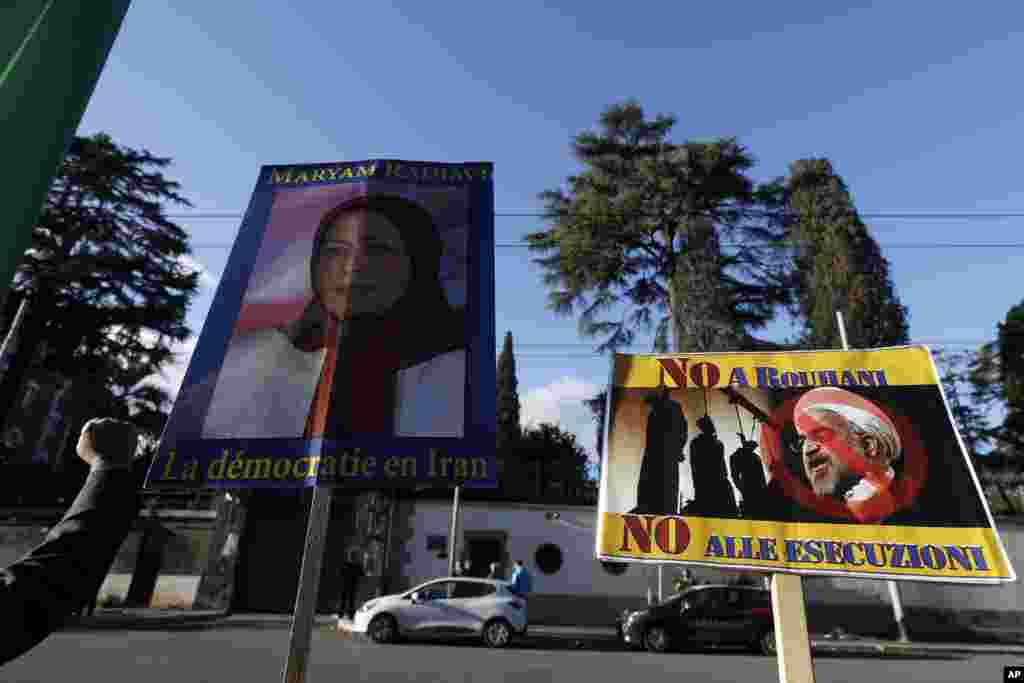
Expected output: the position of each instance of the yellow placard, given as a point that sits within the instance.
(815, 462)
(904, 366)
(929, 553)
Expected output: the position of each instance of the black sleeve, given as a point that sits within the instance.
(60, 575)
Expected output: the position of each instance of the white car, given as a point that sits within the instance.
(456, 606)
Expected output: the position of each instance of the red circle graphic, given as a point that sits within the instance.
(901, 493)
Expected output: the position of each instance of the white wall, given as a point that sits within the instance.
(527, 529)
(1006, 597)
(581, 574)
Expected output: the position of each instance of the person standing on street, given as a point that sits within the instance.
(57, 577)
(493, 572)
(351, 574)
(521, 583)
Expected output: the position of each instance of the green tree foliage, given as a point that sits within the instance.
(509, 429)
(997, 378)
(954, 371)
(598, 406)
(1011, 356)
(838, 265)
(657, 236)
(508, 419)
(107, 279)
(557, 463)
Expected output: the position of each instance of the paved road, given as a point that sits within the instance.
(256, 655)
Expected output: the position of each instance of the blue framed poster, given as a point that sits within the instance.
(351, 339)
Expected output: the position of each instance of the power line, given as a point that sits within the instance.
(884, 245)
(956, 215)
(636, 348)
(605, 357)
(907, 215)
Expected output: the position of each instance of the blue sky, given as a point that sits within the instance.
(917, 105)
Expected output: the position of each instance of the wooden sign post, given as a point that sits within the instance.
(309, 586)
(453, 544)
(792, 644)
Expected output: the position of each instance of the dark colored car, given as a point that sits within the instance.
(703, 615)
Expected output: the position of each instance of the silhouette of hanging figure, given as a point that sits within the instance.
(657, 489)
(713, 495)
(748, 474)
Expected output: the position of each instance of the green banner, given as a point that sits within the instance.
(51, 55)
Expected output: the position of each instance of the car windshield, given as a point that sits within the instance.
(436, 590)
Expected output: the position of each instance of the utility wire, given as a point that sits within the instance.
(645, 349)
(885, 245)
(558, 355)
(961, 215)
(907, 215)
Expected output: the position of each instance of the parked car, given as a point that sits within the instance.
(703, 615)
(446, 607)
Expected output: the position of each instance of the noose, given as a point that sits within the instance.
(705, 401)
(739, 420)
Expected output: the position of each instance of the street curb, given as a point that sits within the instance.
(201, 620)
(128, 622)
(911, 649)
(818, 645)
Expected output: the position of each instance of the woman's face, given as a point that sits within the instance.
(363, 266)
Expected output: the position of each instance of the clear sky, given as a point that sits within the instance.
(918, 105)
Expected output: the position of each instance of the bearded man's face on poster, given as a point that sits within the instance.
(839, 442)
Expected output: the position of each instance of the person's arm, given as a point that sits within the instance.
(59, 576)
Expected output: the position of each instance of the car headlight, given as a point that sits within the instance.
(367, 606)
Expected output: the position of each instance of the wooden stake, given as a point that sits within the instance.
(453, 544)
(309, 586)
(793, 646)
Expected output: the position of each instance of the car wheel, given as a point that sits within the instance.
(383, 629)
(497, 633)
(656, 639)
(767, 645)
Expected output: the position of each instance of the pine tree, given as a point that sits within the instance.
(107, 282)
(954, 370)
(556, 462)
(509, 430)
(508, 418)
(1011, 356)
(675, 237)
(839, 266)
(598, 406)
(998, 381)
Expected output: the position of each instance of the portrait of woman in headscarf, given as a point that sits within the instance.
(377, 350)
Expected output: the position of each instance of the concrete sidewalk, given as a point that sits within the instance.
(820, 642)
(144, 619)
(156, 619)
